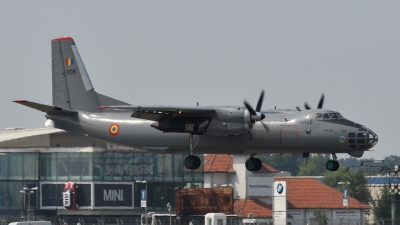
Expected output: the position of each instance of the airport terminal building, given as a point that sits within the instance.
(104, 174)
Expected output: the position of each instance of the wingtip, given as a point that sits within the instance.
(102, 107)
(20, 101)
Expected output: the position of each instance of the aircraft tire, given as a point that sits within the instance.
(332, 165)
(192, 162)
(253, 164)
(198, 162)
(259, 164)
(336, 165)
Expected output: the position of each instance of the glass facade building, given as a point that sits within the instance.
(33, 166)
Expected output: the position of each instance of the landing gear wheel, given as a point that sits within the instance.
(198, 162)
(253, 164)
(192, 162)
(332, 165)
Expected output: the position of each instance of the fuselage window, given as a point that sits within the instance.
(352, 134)
(326, 116)
(318, 116)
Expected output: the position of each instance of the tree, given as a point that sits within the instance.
(314, 165)
(320, 216)
(357, 179)
(283, 162)
(392, 160)
(381, 207)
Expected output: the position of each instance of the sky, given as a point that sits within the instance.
(214, 53)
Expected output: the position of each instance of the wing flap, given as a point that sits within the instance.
(46, 108)
(162, 113)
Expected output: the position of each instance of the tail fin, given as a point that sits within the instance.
(72, 88)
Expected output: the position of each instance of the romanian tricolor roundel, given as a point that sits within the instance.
(114, 129)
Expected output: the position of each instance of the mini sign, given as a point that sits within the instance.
(112, 195)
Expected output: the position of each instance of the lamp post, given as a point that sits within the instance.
(169, 209)
(231, 185)
(27, 192)
(348, 189)
(145, 197)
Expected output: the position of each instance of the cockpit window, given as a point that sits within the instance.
(318, 116)
(329, 115)
(334, 115)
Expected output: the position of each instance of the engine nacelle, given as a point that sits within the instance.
(238, 120)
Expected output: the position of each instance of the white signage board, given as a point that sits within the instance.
(279, 202)
(342, 213)
(259, 186)
(279, 218)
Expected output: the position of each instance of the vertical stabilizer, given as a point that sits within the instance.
(72, 88)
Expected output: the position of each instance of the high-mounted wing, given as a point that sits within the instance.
(161, 113)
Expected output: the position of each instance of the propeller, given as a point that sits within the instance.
(320, 103)
(256, 115)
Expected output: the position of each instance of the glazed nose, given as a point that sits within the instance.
(363, 139)
(372, 139)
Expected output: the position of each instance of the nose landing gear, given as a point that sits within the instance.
(332, 165)
(192, 162)
(253, 164)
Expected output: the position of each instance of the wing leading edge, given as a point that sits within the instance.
(162, 113)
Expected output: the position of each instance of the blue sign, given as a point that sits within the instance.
(345, 192)
(143, 195)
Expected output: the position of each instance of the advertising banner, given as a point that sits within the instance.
(259, 186)
(113, 195)
(143, 198)
(345, 201)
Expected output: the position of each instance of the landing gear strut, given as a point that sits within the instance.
(192, 162)
(332, 165)
(253, 164)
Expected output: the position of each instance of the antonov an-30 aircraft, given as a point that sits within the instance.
(77, 107)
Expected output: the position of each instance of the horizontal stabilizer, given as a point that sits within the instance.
(46, 108)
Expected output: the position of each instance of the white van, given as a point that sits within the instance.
(31, 223)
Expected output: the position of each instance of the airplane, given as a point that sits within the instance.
(78, 108)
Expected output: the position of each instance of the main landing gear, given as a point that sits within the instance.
(332, 165)
(252, 163)
(192, 162)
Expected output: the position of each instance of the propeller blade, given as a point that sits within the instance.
(265, 127)
(251, 110)
(307, 106)
(321, 102)
(260, 101)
